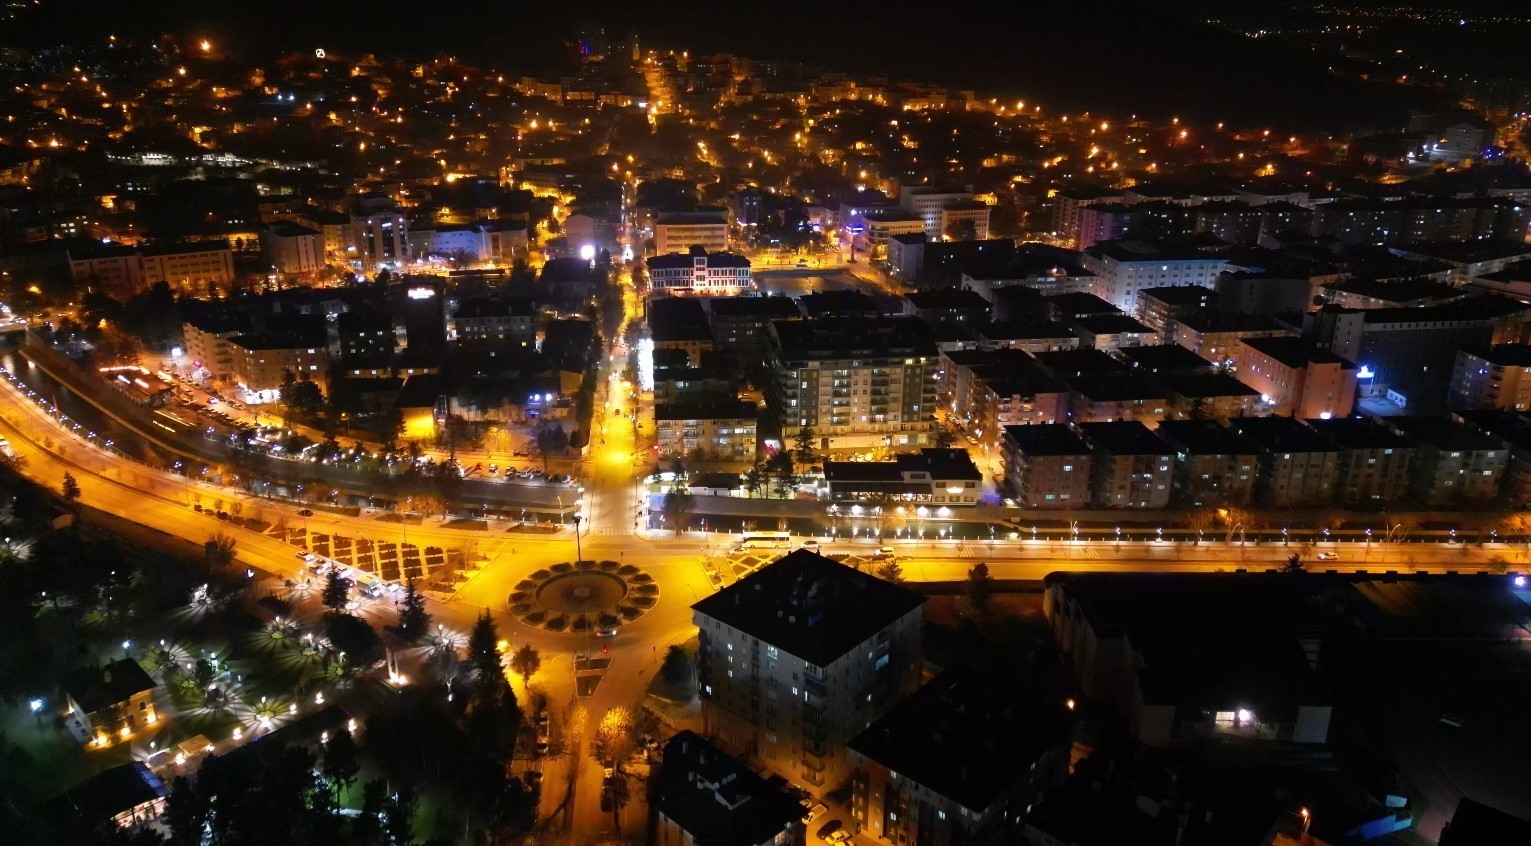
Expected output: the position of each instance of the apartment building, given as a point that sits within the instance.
(936, 206)
(936, 478)
(1497, 376)
(189, 267)
(292, 247)
(710, 431)
(1296, 379)
(1047, 466)
(705, 797)
(1452, 465)
(1214, 465)
(261, 361)
(206, 332)
(859, 383)
(1132, 467)
(497, 322)
(740, 324)
(1298, 466)
(1375, 463)
(678, 232)
(1123, 268)
(961, 762)
(797, 658)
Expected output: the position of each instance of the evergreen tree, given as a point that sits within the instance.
(414, 620)
(337, 591)
(70, 488)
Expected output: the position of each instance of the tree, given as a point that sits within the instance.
(677, 665)
(414, 620)
(338, 762)
(218, 550)
(185, 813)
(1294, 563)
(754, 480)
(301, 395)
(944, 438)
(70, 488)
(550, 439)
(337, 591)
(619, 794)
(677, 506)
(784, 475)
(353, 637)
(484, 655)
(980, 586)
(802, 447)
(891, 571)
(615, 740)
(525, 663)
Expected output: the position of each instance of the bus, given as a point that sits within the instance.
(766, 540)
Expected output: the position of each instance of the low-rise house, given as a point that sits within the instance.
(932, 477)
(706, 797)
(111, 702)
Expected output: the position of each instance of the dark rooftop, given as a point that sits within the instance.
(1047, 439)
(1206, 385)
(947, 298)
(1112, 324)
(111, 792)
(967, 737)
(1358, 433)
(1282, 434)
(730, 410)
(717, 800)
(1477, 824)
(1067, 306)
(769, 307)
(809, 606)
(1018, 331)
(95, 688)
(675, 319)
(837, 302)
(1178, 295)
(1504, 355)
(1165, 358)
(1071, 363)
(941, 464)
(1294, 352)
(476, 308)
(844, 337)
(1440, 433)
(1205, 437)
(1113, 387)
(1124, 437)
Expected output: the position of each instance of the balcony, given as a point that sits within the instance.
(815, 686)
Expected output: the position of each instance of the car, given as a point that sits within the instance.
(811, 545)
(1328, 556)
(305, 512)
(829, 828)
(884, 552)
(532, 778)
(837, 837)
(606, 633)
(212, 400)
(814, 813)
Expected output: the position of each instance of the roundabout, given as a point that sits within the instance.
(583, 597)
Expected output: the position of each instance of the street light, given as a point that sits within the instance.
(1307, 818)
(578, 554)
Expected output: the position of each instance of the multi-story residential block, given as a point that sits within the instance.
(1296, 379)
(1496, 376)
(1069, 203)
(709, 431)
(1162, 308)
(497, 322)
(1374, 463)
(1299, 468)
(1123, 268)
(936, 207)
(1216, 337)
(677, 380)
(1214, 396)
(1109, 397)
(906, 256)
(1113, 332)
(1411, 352)
(800, 656)
(1214, 465)
(366, 337)
(680, 323)
(706, 797)
(111, 703)
(206, 331)
(984, 391)
(1028, 336)
(1132, 467)
(1138, 646)
(377, 238)
(961, 762)
(699, 272)
(678, 232)
(1402, 293)
(1418, 220)
(871, 230)
(948, 307)
(1100, 222)
(1047, 466)
(1452, 464)
(261, 361)
(858, 383)
(1164, 358)
(1512, 431)
(292, 247)
(189, 267)
(932, 477)
(740, 324)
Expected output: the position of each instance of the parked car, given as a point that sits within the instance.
(829, 828)
(814, 813)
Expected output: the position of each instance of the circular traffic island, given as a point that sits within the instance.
(583, 596)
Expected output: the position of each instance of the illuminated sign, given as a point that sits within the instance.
(1365, 372)
(421, 293)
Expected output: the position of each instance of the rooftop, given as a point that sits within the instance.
(846, 337)
(1067, 306)
(717, 800)
(940, 464)
(95, 688)
(1358, 433)
(1178, 295)
(1294, 352)
(810, 607)
(947, 298)
(1205, 437)
(1115, 387)
(1441, 433)
(777, 307)
(730, 410)
(967, 737)
(1047, 439)
(479, 308)
(1112, 324)
(1206, 385)
(103, 796)
(1071, 363)
(1123, 437)
(1477, 824)
(1164, 358)
(1282, 434)
(1132, 250)
(1020, 331)
(1504, 355)
(677, 319)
